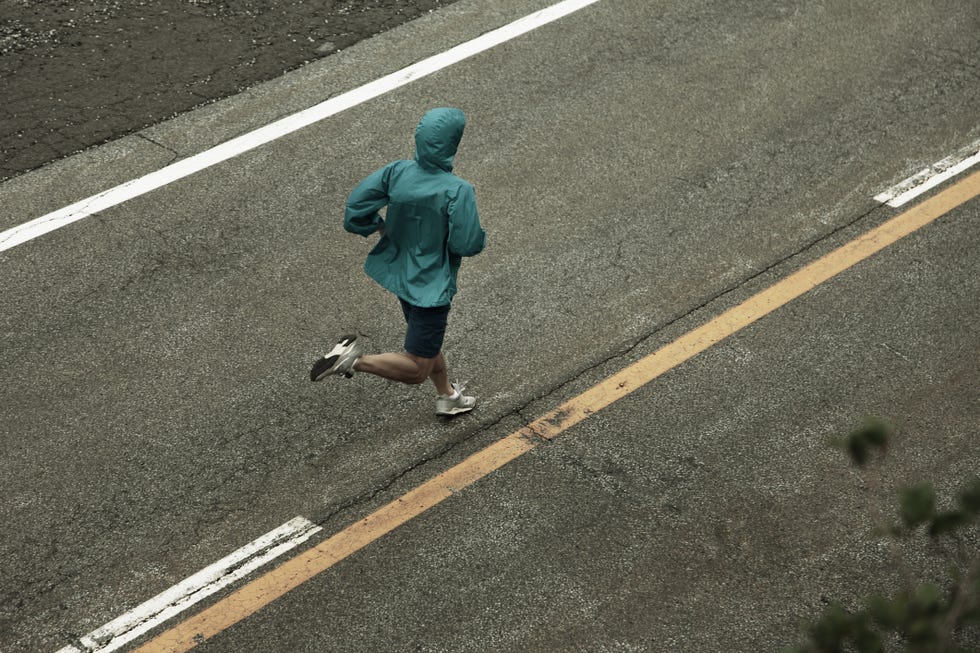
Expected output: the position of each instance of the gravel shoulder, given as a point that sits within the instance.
(78, 74)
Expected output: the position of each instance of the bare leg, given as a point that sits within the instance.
(407, 368)
(394, 367)
(440, 376)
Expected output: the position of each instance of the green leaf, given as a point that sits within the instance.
(918, 504)
(830, 631)
(858, 448)
(922, 633)
(885, 612)
(868, 641)
(874, 433)
(877, 432)
(947, 522)
(927, 600)
(970, 497)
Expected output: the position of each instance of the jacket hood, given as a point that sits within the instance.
(437, 138)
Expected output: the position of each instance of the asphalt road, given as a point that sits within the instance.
(639, 167)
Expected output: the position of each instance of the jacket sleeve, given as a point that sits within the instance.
(466, 236)
(361, 212)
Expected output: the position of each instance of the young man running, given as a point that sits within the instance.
(431, 223)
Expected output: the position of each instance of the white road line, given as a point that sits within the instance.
(160, 608)
(101, 201)
(930, 177)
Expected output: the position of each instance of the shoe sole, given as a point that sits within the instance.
(323, 367)
(454, 411)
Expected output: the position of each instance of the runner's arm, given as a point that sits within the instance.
(370, 196)
(466, 236)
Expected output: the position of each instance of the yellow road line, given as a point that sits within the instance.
(267, 588)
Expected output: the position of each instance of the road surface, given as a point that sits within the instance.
(640, 168)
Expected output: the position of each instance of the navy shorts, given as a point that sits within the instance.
(426, 328)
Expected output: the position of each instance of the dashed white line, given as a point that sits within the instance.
(163, 606)
(127, 191)
(930, 177)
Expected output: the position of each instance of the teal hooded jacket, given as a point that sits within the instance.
(431, 222)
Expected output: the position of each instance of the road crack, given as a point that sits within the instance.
(174, 154)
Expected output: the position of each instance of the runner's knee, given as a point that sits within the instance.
(424, 367)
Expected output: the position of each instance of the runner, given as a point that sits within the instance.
(431, 223)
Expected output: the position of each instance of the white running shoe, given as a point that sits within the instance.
(340, 360)
(461, 404)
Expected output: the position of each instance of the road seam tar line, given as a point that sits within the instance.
(261, 591)
(251, 140)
